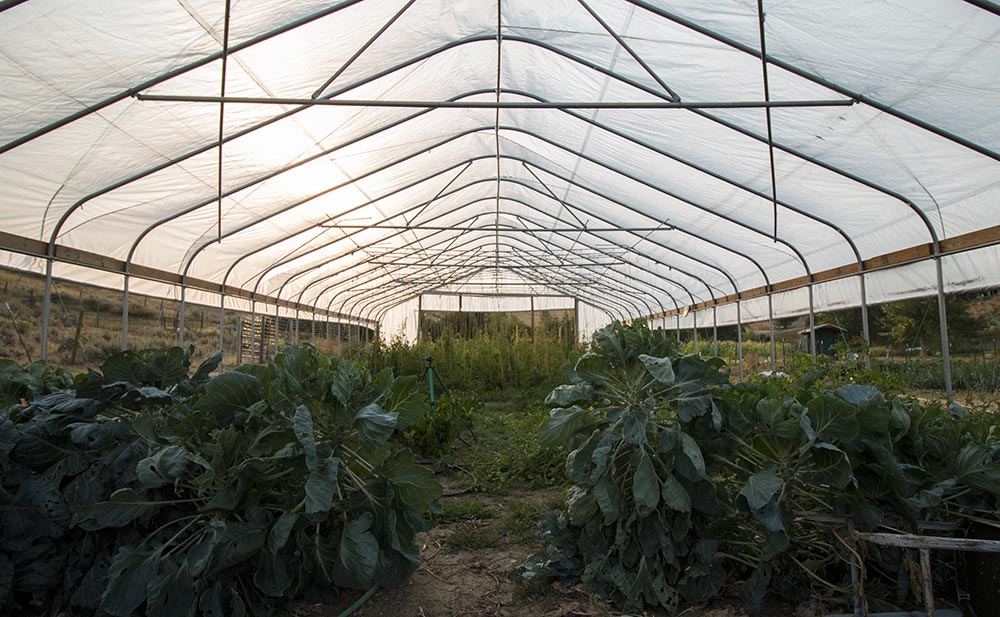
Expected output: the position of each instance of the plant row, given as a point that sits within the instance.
(141, 489)
(685, 486)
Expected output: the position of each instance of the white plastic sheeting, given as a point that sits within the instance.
(361, 208)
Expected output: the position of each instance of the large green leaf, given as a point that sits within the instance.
(659, 368)
(832, 418)
(760, 488)
(272, 577)
(697, 373)
(830, 465)
(609, 498)
(350, 386)
(97, 435)
(166, 466)
(691, 406)
(581, 505)
(226, 394)
(321, 486)
(39, 569)
(35, 511)
(374, 425)
(205, 369)
(414, 487)
(122, 508)
(674, 495)
(126, 366)
(406, 401)
(168, 368)
(857, 394)
(238, 543)
(645, 486)
(131, 572)
(975, 468)
(172, 592)
(695, 470)
(634, 423)
(562, 426)
(359, 548)
(278, 536)
(590, 368)
(302, 424)
(566, 395)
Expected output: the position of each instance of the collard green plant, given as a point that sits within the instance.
(676, 472)
(244, 490)
(640, 485)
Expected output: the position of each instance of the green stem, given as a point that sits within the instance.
(169, 523)
(817, 578)
(358, 459)
(747, 561)
(179, 532)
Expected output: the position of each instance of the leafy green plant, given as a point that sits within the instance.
(439, 429)
(65, 451)
(255, 486)
(681, 480)
(639, 479)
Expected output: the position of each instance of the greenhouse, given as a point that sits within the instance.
(320, 190)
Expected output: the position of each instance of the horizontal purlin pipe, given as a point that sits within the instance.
(491, 228)
(257, 100)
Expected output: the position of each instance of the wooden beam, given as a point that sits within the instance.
(28, 246)
(87, 259)
(969, 241)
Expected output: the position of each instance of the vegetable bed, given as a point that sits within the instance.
(141, 489)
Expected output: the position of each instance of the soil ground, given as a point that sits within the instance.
(467, 558)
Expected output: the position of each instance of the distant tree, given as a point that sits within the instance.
(850, 320)
(916, 322)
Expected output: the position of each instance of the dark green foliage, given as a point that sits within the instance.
(682, 480)
(438, 431)
(640, 484)
(219, 496)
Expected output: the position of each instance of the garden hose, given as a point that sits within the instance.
(359, 602)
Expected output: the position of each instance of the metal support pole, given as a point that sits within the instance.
(678, 328)
(715, 331)
(739, 336)
(576, 318)
(694, 328)
(296, 325)
(253, 330)
(340, 338)
(812, 325)
(865, 334)
(182, 312)
(125, 311)
(277, 323)
(945, 346)
(532, 319)
(46, 308)
(312, 338)
(222, 322)
(420, 317)
(770, 325)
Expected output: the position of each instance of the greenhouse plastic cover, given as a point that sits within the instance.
(614, 153)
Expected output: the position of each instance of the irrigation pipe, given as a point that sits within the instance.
(359, 602)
